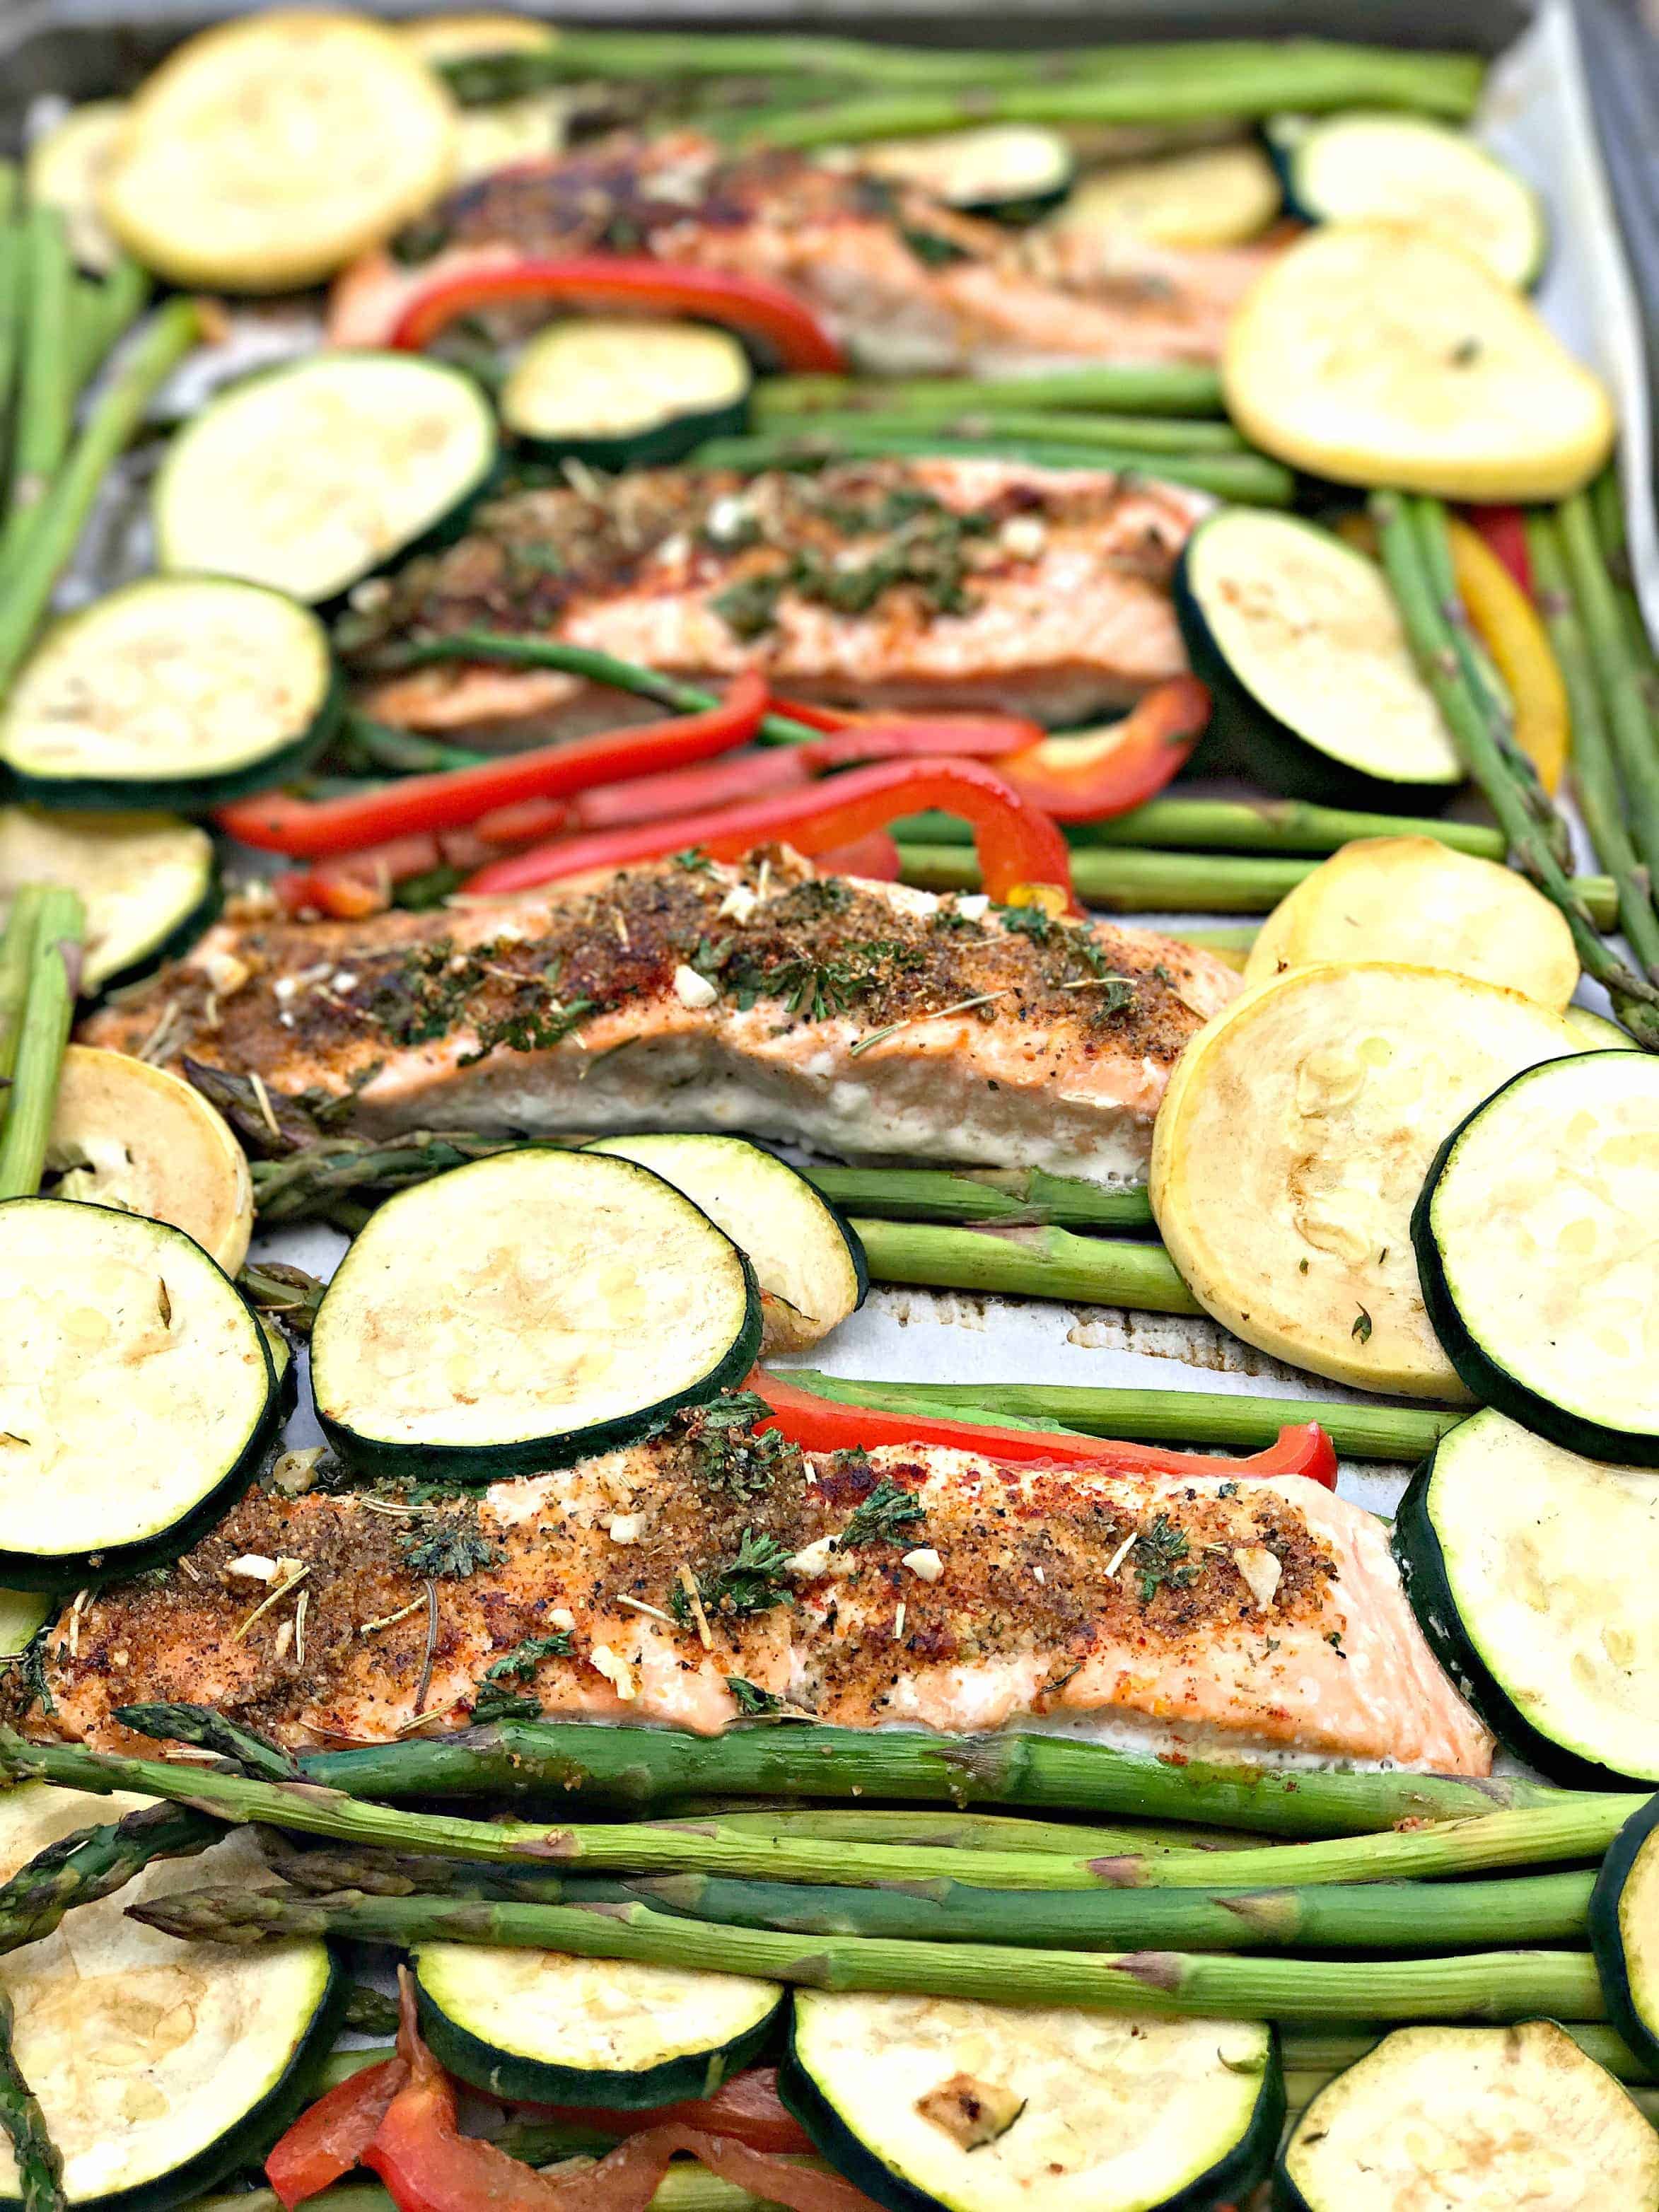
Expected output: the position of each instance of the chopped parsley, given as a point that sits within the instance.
(1159, 1553)
(1032, 922)
(754, 1581)
(449, 1552)
(694, 859)
(813, 988)
(730, 1454)
(491, 1705)
(884, 1517)
(518, 1664)
(1362, 1329)
(922, 547)
(536, 1029)
(750, 1698)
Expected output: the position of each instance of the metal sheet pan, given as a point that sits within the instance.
(1537, 114)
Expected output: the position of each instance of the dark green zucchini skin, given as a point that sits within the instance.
(188, 795)
(1229, 2180)
(1492, 1384)
(1607, 1945)
(1243, 738)
(510, 2074)
(186, 931)
(1422, 1564)
(655, 448)
(251, 2135)
(485, 1463)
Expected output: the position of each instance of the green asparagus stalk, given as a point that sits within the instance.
(1250, 479)
(40, 2165)
(361, 746)
(11, 327)
(1619, 677)
(962, 1831)
(1009, 423)
(42, 1032)
(45, 396)
(1636, 1000)
(103, 308)
(1595, 770)
(1163, 388)
(94, 1862)
(208, 1730)
(1012, 1197)
(286, 1294)
(45, 547)
(1488, 1985)
(1390, 1433)
(1607, 505)
(309, 1183)
(1037, 1263)
(1228, 825)
(16, 950)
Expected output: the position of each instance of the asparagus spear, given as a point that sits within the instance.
(40, 2165)
(94, 1862)
(1403, 534)
(1163, 388)
(1392, 1433)
(1010, 1196)
(44, 549)
(1038, 1263)
(45, 396)
(16, 947)
(1229, 825)
(42, 1031)
(1010, 421)
(1595, 771)
(11, 323)
(1619, 677)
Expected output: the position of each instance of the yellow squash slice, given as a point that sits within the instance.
(1375, 354)
(66, 169)
(1215, 196)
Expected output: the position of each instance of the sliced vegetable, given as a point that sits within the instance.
(440, 38)
(140, 1140)
(745, 2109)
(187, 690)
(1087, 775)
(542, 2026)
(1459, 388)
(1292, 1142)
(540, 1307)
(808, 1263)
(1384, 168)
(1316, 695)
(499, 132)
(312, 476)
(1506, 622)
(818, 1423)
(1211, 195)
(762, 311)
(1415, 900)
(1531, 1570)
(1534, 1241)
(264, 154)
(110, 1312)
(1498, 2114)
(1022, 855)
(1624, 1927)
(621, 394)
(147, 881)
(23, 1615)
(1015, 170)
(67, 168)
(1596, 1033)
(314, 830)
(160, 2067)
(330, 2138)
(942, 2104)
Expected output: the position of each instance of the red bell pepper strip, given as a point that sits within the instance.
(690, 790)
(331, 2137)
(1090, 776)
(752, 305)
(875, 857)
(747, 2108)
(1020, 850)
(826, 1425)
(314, 830)
(1505, 530)
(921, 737)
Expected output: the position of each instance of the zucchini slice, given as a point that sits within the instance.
(193, 690)
(1532, 1571)
(1405, 169)
(139, 1140)
(161, 2066)
(1596, 1033)
(1535, 1242)
(542, 2026)
(66, 169)
(1489, 2119)
(626, 394)
(113, 1319)
(1624, 1931)
(266, 154)
(1415, 900)
(439, 39)
(147, 881)
(808, 1263)
(1213, 196)
(312, 476)
(941, 2104)
(1315, 691)
(23, 1615)
(1292, 1143)
(1377, 354)
(524, 1311)
(1014, 171)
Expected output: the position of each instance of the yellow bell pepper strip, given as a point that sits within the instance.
(1506, 622)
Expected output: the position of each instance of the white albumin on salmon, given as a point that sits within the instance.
(934, 583)
(868, 1018)
(1236, 1617)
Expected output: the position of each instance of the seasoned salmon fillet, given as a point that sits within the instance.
(715, 1570)
(909, 285)
(866, 1017)
(935, 583)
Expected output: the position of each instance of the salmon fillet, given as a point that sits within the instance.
(1233, 1617)
(932, 583)
(909, 286)
(837, 1013)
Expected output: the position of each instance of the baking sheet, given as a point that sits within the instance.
(1537, 115)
